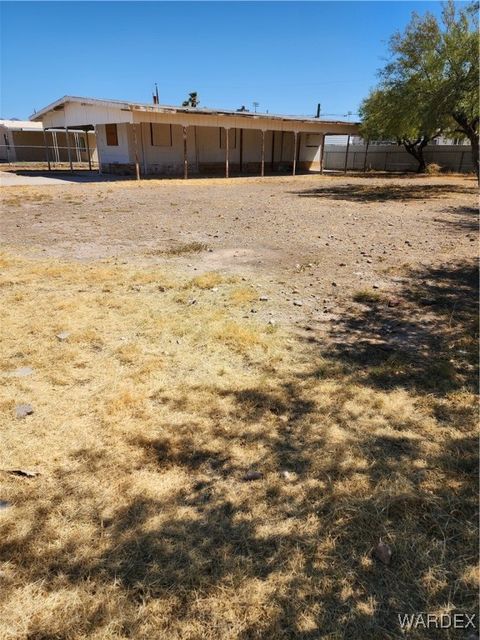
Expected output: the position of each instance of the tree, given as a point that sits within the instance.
(436, 63)
(192, 100)
(395, 113)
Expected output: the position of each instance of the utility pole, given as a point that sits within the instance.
(318, 110)
(255, 106)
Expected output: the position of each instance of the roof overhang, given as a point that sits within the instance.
(60, 105)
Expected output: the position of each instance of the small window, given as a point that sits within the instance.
(112, 135)
(81, 143)
(313, 140)
(161, 135)
(232, 139)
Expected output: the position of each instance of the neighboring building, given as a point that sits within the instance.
(156, 139)
(26, 141)
(21, 139)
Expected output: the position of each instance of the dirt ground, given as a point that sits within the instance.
(314, 240)
(238, 391)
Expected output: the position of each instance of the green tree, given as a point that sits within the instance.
(396, 114)
(192, 100)
(435, 67)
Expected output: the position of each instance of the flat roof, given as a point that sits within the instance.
(161, 108)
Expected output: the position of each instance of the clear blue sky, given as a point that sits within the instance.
(285, 55)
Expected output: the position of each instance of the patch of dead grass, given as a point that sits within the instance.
(180, 249)
(145, 422)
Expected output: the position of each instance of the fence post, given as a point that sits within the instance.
(365, 158)
(346, 155)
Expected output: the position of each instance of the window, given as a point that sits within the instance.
(160, 135)
(232, 139)
(313, 140)
(112, 135)
(81, 143)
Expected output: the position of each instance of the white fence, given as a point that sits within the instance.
(457, 158)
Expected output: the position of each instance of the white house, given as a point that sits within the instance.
(145, 139)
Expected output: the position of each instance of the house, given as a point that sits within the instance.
(146, 139)
(27, 141)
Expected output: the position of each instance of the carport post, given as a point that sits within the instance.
(322, 153)
(346, 155)
(95, 129)
(46, 149)
(88, 150)
(185, 157)
(241, 151)
(135, 148)
(226, 151)
(69, 150)
(273, 151)
(294, 153)
(262, 166)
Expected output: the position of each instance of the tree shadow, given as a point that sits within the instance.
(356, 192)
(309, 540)
(463, 218)
(424, 338)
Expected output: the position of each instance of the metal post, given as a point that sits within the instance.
(135, 148)
(226, 152)
(322, 153)
(346, 155)
(241, 151)
(77, 146)
(144, 155)
(294, 153)
(56, 151)
(185, 157)
(365, 158)
(461, 161)
(197, 155)
(46, 149)
(87, 144)
(273, 151)
(299, 144)
(95, 128)
(262, 166)
(69, 150)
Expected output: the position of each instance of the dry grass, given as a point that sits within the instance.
(24, 195)
(145, 421)
(366, 296)
(180, 249)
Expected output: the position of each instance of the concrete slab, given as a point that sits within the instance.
(25, 178)
(8, 179)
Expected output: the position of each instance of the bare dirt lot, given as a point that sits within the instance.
(239, 387)
(323, 237)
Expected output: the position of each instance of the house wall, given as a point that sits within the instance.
(121, 154)
(203, 143)
(204, 152)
